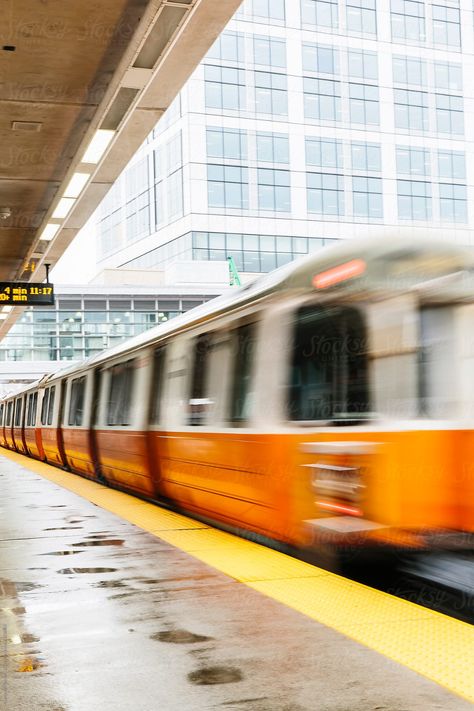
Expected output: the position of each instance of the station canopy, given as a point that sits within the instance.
(81, 86)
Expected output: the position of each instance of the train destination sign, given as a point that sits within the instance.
(15, 293)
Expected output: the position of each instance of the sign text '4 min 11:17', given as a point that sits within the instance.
(25, 294)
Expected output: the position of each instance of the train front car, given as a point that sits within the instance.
(382, 382)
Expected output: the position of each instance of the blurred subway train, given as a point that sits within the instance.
(327, 405)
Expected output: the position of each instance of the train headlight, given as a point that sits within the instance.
(338, 489)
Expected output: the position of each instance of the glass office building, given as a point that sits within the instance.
(308, 121)
(84, 322)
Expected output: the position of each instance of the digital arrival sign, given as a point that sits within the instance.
(15, 293)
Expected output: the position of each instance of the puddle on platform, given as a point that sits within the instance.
(179, 637)
(110, 584)
(73, 571)
(105, 542)
(208, 676)
(8, 589)
(64, 528)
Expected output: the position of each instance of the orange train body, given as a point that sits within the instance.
(236, 412)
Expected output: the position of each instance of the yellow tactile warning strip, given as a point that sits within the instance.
(427, 642)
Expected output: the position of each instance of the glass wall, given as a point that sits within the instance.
(78, 327)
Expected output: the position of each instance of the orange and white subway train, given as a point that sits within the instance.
(328, 404)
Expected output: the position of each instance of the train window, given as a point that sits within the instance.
(242, 372)
(329, 375)
(2, 407)
(76, 405)
(9, 413)
(52, 393)
(120, 393)
(198, 403)
(31, 410)
(18, 408)
(28, 410)
(44, 407)
(34, 408)
(158, 372)
(437, 353)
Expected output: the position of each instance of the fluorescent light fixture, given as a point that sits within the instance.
(49, 231)
(3, 317)
(7, 309)
(63, 207)
(76, 184)
(98, 145)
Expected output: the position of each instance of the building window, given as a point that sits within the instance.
(366, 157)
(224, 87)
(324, 153)
(137, 178)
(320, 13)
(413, 161)
(271, 94)
(452, 164)
(272, 148)
(411, 110)
(362, 65)
(229, 47)
(448, 76)
(364, 104)
(252, 253)
(174, 195)
(325, 193)
(409, 70)
(367, 197)
(274, 190)
(137, 213)
(322, 99)
(228, 144)
(408, 20)
(269, 51)
(453, 202)
(446, 26)
(361, 16)
(414, 200)
(320, 59)
(227, 186)
(449, 114)
(269, 9)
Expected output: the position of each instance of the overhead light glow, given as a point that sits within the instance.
(76, 185)
(7, 309)
(49, 231)
(3, 317)
(63, 207)
(98, 146)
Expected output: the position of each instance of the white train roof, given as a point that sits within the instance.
(388, 264)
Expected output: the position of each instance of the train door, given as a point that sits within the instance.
(96, 390)
(438, 380)
(59, 421)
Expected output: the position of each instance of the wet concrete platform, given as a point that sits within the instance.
(99, 614)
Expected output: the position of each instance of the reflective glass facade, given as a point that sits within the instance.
(81, 325)
(315, 119)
